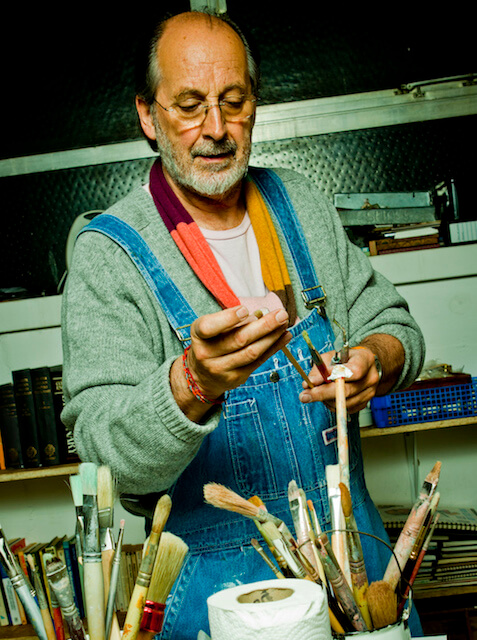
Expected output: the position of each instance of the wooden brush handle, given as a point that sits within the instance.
(94, 593)
(107, 562)
(48, 624)
(58, 623)
(134, 613)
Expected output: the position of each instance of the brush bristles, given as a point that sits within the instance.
(76, 490)
(105, 488)
(434, 473)
(219, 496)
(346, 503)
(168, 563)
(89, 478)
(382, 604)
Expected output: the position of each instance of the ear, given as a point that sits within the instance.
(145, 118)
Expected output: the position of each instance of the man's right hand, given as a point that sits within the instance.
(226, 347)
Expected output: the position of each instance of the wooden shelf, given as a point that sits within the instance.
(10, 475)
(371, 432)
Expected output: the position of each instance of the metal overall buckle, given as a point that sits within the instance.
(318, 302)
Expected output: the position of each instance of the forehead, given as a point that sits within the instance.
(201, 54)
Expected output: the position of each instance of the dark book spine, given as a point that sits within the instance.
(23, 391)
(45, 416)
(68, 452)
(10, 429)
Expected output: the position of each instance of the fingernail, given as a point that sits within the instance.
(281, 316)
(305, 398)
(242, 312)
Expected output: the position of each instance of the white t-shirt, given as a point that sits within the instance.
(236, 251)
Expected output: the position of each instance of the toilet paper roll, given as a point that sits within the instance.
(289, 609)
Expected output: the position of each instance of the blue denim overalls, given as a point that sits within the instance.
(265, 438)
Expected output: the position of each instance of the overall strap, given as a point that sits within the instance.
(176, 307)
(277, 199)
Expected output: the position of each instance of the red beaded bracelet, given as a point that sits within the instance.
(192, 384)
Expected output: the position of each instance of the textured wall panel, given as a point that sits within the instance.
(41, 207)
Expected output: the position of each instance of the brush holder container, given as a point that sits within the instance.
(397, 631)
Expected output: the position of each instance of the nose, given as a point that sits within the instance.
(214, 124)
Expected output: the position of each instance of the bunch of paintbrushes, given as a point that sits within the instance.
(163, 554)
(99, 558)
(353, 603)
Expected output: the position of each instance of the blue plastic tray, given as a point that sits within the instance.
(425, 405)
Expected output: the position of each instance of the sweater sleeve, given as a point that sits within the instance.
(118, 398)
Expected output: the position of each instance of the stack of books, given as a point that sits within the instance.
(31, 432)
(64, 548)
(398, 238)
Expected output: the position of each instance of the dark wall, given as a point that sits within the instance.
(69, 83)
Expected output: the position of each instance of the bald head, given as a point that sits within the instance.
(179, 29)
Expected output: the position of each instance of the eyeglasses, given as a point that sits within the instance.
(192, 112)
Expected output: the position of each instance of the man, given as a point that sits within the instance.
(170, 378)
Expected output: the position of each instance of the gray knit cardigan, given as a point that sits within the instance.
(118, 346)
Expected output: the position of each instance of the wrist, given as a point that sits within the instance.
(377, 361)
(194, 387)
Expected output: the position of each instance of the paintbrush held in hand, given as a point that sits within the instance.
(138, 597)
(167, 565)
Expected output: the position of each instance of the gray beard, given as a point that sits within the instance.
(214, 182)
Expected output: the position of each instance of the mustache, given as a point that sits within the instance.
(214, 148)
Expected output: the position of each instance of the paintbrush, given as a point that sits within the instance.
(382, 604)
(338, 536)
(113, 583)
(297, 502)
(297, 366)
(224, 498)
(57, 616)
(77, 493)
(167, 565)
(408, 569)
(138, 597)
(259, 314)
(21, 587)
(341, 588)
(359, 578)
(316, 357)
(417, 566)
(259, 549)
(93, 568)
(106, 519)
(276, 538)
(412, 526)
(58, 578)
(42, 601)
(258, 502)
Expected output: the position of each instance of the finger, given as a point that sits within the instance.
(213, 324)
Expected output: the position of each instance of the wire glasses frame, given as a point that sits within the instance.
(194, 114)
